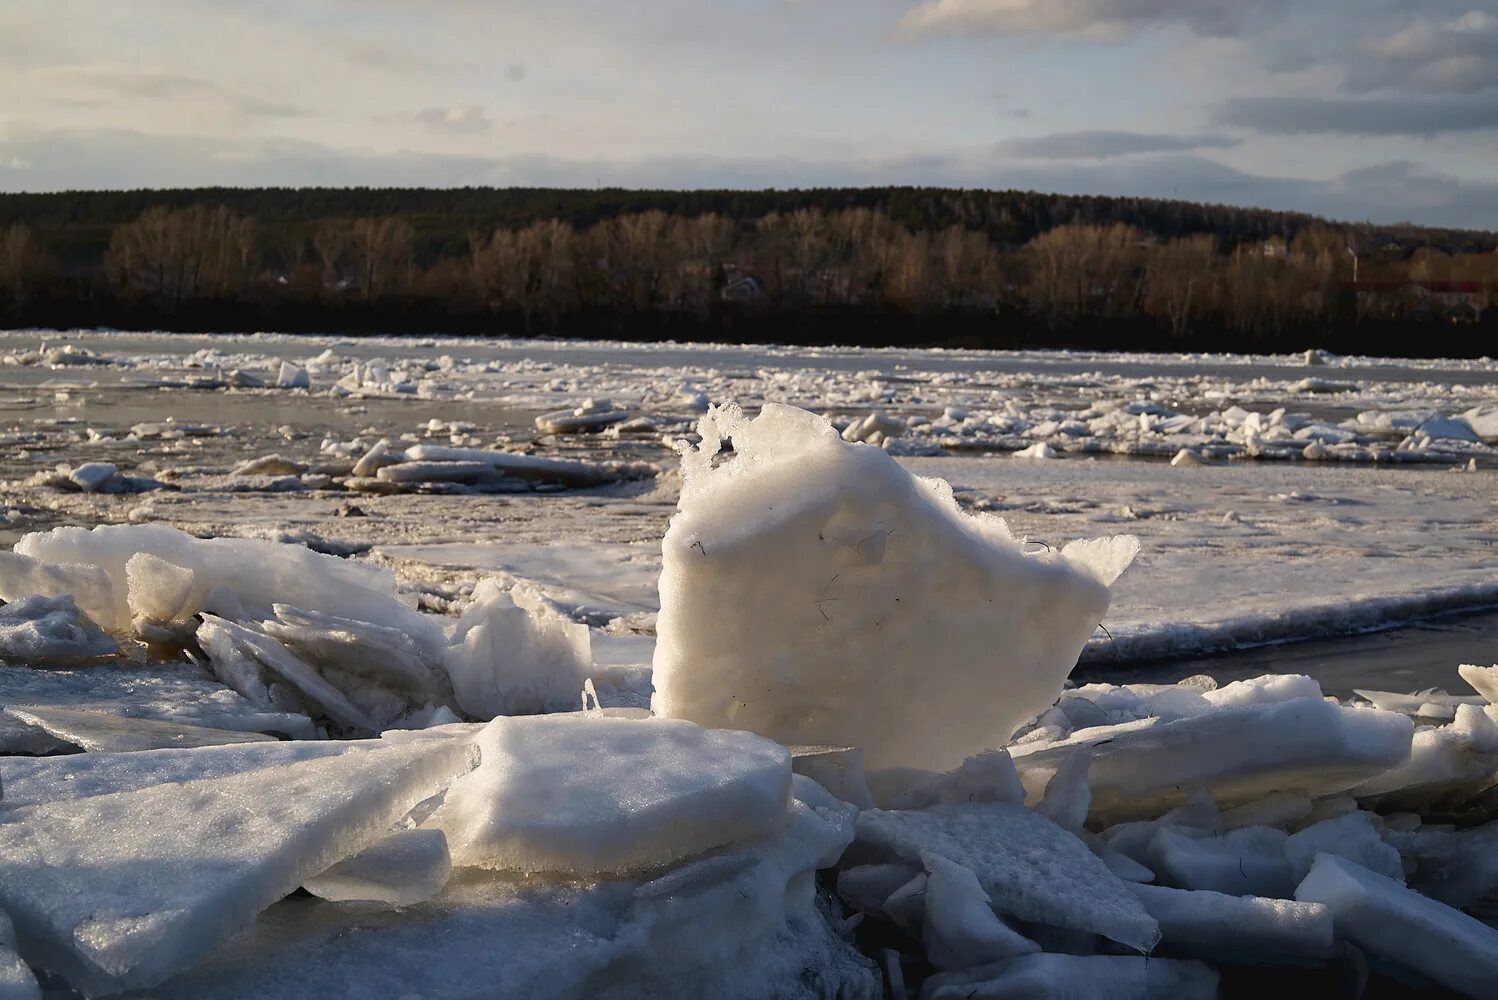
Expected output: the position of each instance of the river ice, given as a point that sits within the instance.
(315, 537)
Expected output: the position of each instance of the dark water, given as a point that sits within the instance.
(1410, 658)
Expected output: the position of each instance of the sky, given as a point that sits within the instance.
(1380, 110)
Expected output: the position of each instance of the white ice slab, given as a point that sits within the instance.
(1032, 869)
(584, 795)
(815, 592)
(124, 890)
(1141, 769)
(100, 732)
(407, 867)
(1241, 929)
(29, 780)
(1351, 836)
(1247, 861)
(960, 930)
(1401, 927)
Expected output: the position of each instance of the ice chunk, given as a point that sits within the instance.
(406, 867)
(960, 931)
(1140, 769)
(383, 653)
(585, 795)
(236, 577)
(121, 891)
(528, 467)
(1067, 797)
(1449, 762)
(1038, 450)
(837, 769)
(269, 465)
(41, 629)
(1403, 927)
(278, 659)
(99, 732)
(815, 592)
(29, 780)
(1063, 977)
(1248, 930)
(1484, 680)
(1249, 861)
(376, 458)
(1428, 705)
(1032, 869)
(90, 587)
(91, 477)
(158, 590)
(293, 376)
(1351, 836)
(506, 660)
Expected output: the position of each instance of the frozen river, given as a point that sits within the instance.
(1306, 501)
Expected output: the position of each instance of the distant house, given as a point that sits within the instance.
(1452, 301)
(1274, 247)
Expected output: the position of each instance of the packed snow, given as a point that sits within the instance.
(313, 691)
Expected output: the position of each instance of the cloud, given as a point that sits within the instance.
(459, 121)
(1096, 19)
(170, 88)
(1102, 145)
(1378, 116)
(1456, 55)
(1388, 192)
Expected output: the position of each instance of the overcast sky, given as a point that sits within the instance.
(1364, 109)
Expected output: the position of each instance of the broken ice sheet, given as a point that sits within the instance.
(100, 732)
(176, 693)
(1402, 927)
(738, 924)
(1032, 869)
(584, 794)
(124, 890)
(1141, 769)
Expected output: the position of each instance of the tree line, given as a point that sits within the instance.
(860, 273)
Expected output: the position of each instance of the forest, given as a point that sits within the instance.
(856, 266)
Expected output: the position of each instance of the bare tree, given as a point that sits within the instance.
(382, 250)
(24, 264)
(1180, 276)
(181, 254)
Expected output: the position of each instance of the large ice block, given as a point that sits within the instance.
(815, 592)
